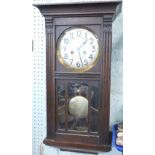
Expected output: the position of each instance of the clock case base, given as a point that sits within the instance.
(104, 10)
(79, 146)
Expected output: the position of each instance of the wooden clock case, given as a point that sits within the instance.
(97, 17)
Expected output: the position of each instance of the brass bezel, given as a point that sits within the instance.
(61, 60)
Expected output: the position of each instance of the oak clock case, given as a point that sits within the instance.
(78, 47)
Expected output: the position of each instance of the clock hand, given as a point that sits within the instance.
(80, 58)
(78, 49)
(82, 44)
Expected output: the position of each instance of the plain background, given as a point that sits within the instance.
(16, 77)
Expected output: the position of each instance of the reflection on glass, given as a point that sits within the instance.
(73, 100)
(94, 118)
(78, 106)
(61, 107)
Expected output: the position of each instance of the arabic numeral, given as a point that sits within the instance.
(71, 36)
(71, 61)
(91, 57)
(78, 33)
(65, 56)
(66, 40)
(91, 40)
(78, 64)
(93, 47)
(64, 48)
(85, 35)
(85, 62)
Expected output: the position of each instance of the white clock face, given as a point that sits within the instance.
(78, 49)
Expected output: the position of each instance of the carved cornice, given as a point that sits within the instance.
(107, 23)
(49, 24)
(107, 28)
(48, 28)
(48, 19)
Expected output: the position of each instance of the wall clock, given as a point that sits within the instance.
(78, 49)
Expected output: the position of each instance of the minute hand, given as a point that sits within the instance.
(82, 45)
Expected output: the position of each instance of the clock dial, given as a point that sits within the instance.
(78, 49)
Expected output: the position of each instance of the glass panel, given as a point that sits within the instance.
(94, 112)
(78, 106)
(61, 107)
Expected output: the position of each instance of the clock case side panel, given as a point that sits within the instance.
(105, 137)
(50, 81)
